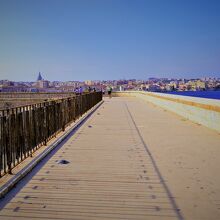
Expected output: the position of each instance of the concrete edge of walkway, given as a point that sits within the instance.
(21, 174)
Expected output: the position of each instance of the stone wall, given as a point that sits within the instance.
(200, 110)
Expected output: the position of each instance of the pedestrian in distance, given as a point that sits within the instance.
(80, 90)
(109, 89)
(76, 90)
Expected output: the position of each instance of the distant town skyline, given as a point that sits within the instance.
(165, 76)
(40, 76)
(106, 40)
(152, 85)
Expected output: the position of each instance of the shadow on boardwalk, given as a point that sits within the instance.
(110, 175)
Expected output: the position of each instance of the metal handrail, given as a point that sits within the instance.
(24, 129)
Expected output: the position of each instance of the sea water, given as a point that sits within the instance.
(201, 94)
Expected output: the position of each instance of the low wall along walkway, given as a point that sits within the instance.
(200, 110)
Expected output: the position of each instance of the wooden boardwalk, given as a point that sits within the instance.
(111, 174)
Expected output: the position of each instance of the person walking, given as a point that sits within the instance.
(109, 89)
(80, 90)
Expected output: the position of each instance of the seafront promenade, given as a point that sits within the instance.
(129, 160)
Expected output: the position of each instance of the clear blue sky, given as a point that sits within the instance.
(109, 39)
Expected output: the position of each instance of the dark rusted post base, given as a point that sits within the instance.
(9, 169)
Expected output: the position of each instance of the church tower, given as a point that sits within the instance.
(39, 77)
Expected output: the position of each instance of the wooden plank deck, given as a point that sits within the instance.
(111, 174)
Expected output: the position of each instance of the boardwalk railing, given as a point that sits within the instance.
(24, 129)
(36, 95)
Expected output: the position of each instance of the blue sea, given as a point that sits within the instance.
(201, 94)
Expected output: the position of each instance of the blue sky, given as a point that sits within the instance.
(109, 39)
